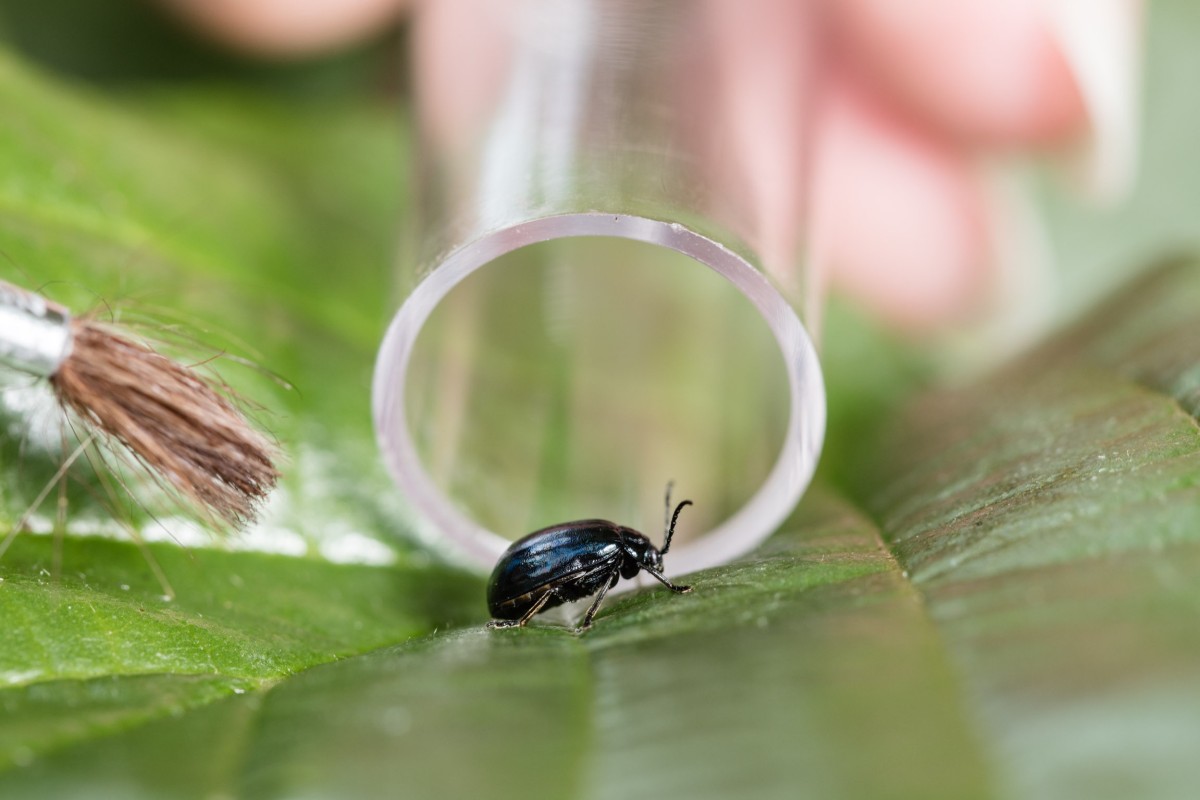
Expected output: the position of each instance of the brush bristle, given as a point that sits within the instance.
(171, 418)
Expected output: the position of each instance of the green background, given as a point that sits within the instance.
(992, 590)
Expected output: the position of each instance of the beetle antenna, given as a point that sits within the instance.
(667, 507)
(671, 530)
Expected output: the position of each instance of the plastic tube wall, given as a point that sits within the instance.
(604, 287)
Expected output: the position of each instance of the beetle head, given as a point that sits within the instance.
(642, 551)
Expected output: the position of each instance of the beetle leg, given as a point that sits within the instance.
(528, 615)
(536, 607)
(495, 624)
(595, 606)
(662, 579)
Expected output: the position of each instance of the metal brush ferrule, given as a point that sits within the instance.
(35, 334)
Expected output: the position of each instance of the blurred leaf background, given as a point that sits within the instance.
(992, 591)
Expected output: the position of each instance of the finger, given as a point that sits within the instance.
(1101, 41)
(898, 220)
(754, 105)
(287, 28)
(461, 59)
(990, 73)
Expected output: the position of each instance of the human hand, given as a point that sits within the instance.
(915, 99)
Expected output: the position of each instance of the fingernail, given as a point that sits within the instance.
(1101, 42)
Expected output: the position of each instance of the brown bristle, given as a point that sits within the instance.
(172, 419)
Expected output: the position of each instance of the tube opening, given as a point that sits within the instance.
(568, 366)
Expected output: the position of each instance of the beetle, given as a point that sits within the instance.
(573, 560)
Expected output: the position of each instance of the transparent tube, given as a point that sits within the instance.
(605, 285)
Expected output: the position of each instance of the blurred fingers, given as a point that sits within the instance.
(899, 220)
(287, 28)
(988, 73)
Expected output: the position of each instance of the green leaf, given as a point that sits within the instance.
(1010, 627)
(99, 648)
(781, 652)
(998, 598)
(1050, 517)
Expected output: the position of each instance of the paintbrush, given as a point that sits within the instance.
(173, 420)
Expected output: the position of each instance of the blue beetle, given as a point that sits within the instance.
(570, 561)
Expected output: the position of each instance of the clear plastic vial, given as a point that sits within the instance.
(605, 285)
